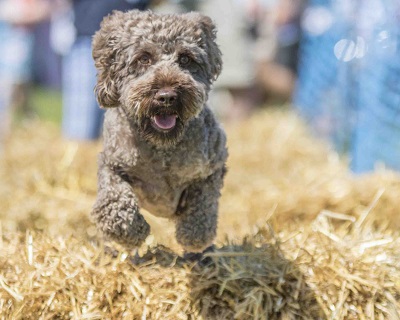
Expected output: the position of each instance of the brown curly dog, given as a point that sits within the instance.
(163, 149)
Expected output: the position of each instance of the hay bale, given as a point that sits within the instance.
(299, 237)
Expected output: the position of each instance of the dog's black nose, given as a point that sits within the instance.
(166, 96)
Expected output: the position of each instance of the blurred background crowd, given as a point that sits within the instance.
(336, 62)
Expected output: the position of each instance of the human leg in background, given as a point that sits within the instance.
(82, 117)
(15, 74)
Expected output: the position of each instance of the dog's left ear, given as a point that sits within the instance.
(214, 54)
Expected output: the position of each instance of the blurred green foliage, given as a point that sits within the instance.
(46, 104)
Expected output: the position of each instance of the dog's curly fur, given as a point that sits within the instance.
(163, 149)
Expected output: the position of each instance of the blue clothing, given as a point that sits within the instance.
(349, 74)
(89, 13)
(16, 48)
(82, 116)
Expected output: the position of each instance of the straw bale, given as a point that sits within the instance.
(299, 236)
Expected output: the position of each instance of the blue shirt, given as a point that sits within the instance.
(89, 13)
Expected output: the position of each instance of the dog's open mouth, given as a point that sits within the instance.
(164, 122)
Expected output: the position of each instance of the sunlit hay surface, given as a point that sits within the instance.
(299, 237)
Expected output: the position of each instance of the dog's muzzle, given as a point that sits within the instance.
(165, 99)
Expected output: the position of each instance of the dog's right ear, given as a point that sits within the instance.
(105, 49)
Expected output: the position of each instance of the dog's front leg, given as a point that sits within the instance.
(197, 214)
(116, 211)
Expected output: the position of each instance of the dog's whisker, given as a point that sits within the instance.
(137, 108)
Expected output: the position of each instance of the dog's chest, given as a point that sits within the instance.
(160, 176)
(159, 179)
(178, 166)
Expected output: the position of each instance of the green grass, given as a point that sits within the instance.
(46, 104)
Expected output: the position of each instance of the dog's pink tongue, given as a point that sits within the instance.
(165, 121)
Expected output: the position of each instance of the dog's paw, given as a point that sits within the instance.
(126, 227)
(195, 235)
(193, 246)
(199, 256)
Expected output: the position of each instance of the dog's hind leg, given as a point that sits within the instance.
(197, 215)
(116, 211)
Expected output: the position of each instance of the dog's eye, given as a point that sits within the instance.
(145, 59)
(184, 60)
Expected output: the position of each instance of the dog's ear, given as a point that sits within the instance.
(106, 46)
(214, 53)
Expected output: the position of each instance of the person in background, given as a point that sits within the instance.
(348, 82)
(234, 95)
(17, 21)
(277, 46)
(82, 118)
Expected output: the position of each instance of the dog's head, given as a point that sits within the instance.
(159, 68)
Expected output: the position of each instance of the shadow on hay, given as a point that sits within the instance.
(246, 281)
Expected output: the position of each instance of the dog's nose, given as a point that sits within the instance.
(166, 96)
